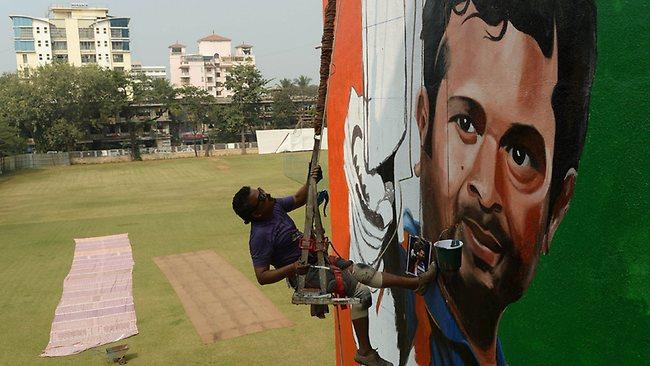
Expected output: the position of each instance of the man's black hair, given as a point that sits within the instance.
(240, 204)
(575, 24)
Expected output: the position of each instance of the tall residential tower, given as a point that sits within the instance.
(77, 34)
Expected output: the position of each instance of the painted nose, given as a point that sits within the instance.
(482, 183)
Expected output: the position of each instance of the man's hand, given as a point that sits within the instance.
(316, 173)
(299, 268)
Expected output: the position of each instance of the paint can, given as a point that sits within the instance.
(449, 254)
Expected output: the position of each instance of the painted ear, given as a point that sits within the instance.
(422, 114)
(560, 207)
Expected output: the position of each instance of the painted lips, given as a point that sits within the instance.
(482, 243)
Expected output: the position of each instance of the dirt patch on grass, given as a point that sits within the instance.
(220, 302)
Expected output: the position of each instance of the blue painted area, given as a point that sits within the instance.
(22, 22)
(24, 46)
(120, 22)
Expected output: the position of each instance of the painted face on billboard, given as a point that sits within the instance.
(492, 139)
(460, 113)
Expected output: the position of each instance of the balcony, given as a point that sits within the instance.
(86, 33)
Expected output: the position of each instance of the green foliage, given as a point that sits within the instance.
(196, 106)
(304, 87)
(62, 136)
(247, 84)
(39, 101)
(57, 104)
(284, 110)
(10, 140)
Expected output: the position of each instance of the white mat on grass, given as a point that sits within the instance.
(97, 302)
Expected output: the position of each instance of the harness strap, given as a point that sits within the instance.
(339, 287)
(313, 246)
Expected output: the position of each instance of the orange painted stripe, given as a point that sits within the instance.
(346, 72)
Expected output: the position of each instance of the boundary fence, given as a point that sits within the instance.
(33, 161)
(38, 161)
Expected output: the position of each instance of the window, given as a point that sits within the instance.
(45, 30)
(24, 45)
(218, 74)
(86, 33)
(120, 22)
(87, 46)
(38, 43)
(97, 30)
(99, 43)
(210, 79)
(210, 88)
(58, 33)
(99, 57)
(24, 58)
(218, 92)
(48, 57)
(104, 30)
(40, 56)
(88, 59)
(105, 43)
(47, 43)
(120, 45)
(118, 57)
(38, 30)
(25, 33)
(59, 45)
(61, 58)
(118, 68)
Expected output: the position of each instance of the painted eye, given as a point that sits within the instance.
(519, 156)
(464, 122)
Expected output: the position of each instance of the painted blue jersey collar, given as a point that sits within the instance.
(449, 346)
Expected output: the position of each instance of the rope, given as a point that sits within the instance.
(327, 45)
(313, 223)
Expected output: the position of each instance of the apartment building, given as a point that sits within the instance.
(77, 34)
(208, 67)
(154, 72)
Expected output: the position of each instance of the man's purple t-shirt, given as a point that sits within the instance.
(274, 241)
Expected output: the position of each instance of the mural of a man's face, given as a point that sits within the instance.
(490, 167)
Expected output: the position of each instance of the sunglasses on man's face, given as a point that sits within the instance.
(261, 196)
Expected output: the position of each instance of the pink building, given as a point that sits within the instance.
(207, 69)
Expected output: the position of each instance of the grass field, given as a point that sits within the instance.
(166, 207)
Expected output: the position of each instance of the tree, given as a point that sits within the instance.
(304, 88)
(139, 92)
(39, 101)
(196, 105)
(247, 84)
(286, 84)
(62, 136)
(10, 140)
(284, 110)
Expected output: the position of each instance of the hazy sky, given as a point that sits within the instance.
(283, 32)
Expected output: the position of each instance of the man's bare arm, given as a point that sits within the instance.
(300, 198)
(265, 275)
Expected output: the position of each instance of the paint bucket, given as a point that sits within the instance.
(449, 253)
